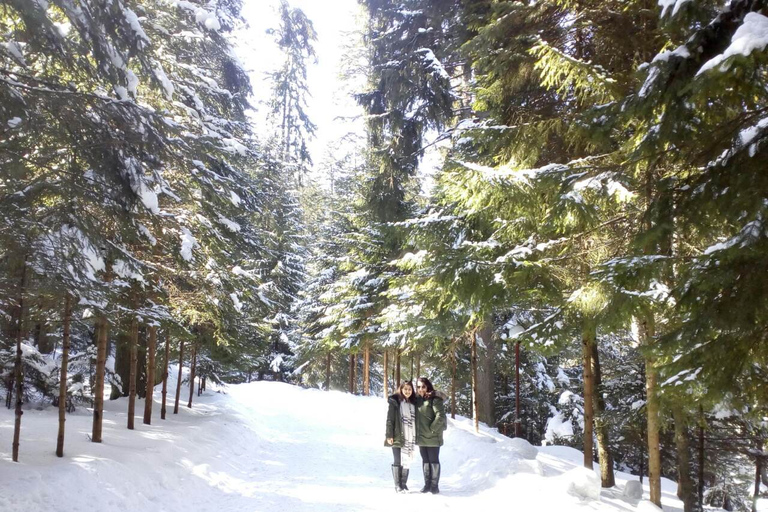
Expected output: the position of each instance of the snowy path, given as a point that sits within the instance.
(273, 447)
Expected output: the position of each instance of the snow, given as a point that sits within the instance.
(750, 36)
(207, 19)
(14, 122)
(229, 224)
(14, 49)
(188, 243)
(675, 4)
(274, 447)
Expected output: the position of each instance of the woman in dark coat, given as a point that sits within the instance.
(401, 432)
(430, 423)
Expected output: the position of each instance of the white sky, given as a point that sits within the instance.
(331, 97)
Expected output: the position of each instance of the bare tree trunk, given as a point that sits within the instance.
(486, 386)
(367, 371)
(684, 480)
(352, 373)
(453, 386)
(758, 473)
(151, 349)
(192, 369)
(63, 376)
(165, 374)
(646, 329)
(178, 381)
(473, 371)
(102, 333)
(133, 340)
(517, 389)
(17, 370)
(386, 374)
(701, 459)
(397, 367)
(601, 427)
(587, 340)
(418, 366)
(328, 371)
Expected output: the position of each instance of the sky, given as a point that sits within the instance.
(331, 106)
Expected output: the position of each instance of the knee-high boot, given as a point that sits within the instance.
(427, 477)
(397, 476)
(404, 479)
(435, 480)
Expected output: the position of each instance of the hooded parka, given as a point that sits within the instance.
(430, 421)
(394, 423)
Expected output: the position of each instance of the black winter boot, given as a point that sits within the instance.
(427, 477)
(404, 479)
(397, 472)
(435, 480)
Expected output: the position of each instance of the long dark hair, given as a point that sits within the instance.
(400, 394)
(427, 384)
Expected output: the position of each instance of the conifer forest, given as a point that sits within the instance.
(587, 264)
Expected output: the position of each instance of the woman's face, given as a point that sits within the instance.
(421, 389)
(407, 391)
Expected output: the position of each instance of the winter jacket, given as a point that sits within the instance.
(430, 421)
(394, 423)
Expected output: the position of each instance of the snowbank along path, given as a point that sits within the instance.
(269, 446)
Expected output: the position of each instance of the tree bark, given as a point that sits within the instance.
(165, 374)
(486, 388)
(367, 371)
(701, 459)
(386, 374)
(758, 473)
(151, 348)
(102, 333)
(418, 367)
(587, 340)
(192, 369)
(63, 376)
(352, 373)
(453, 386)
(397, 368)
(684, 480)
(607, 478)
(517, 389)
(328, 371)
(178, 381)
(133, 338)
(473, 372)
(647, 330)
(17, 370)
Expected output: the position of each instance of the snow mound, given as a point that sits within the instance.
(525, 449)
(633, 490)
(583, 482)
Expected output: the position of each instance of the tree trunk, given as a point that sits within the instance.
(486, 388)
(684, 480)
(328, 371)
(517, 389)
(178, 381)
(98, 384)
(352, 373)
(386, 374)
(473, 371)
(646, 330)
(151, 349)
(192, 369)
(587, 340)
(133, 338)
(165, 375)
(601, 427)
(63, 376)
(397, 368)
(758, 474)
(453, 387)
(367, 371)
(701, 459)
(17, 370)
(418, 366)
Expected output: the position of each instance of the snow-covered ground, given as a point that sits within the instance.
(274, 447)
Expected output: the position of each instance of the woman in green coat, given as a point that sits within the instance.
(401, 432)
(430, 423)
